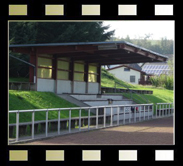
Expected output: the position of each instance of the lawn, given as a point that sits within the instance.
(24, 100)
(160, 95)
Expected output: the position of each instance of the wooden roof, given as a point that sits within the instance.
(104, 53)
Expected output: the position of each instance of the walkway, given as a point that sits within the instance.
(156, 132)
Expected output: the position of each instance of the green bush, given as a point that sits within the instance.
(165, 81)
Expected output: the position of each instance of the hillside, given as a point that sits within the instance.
(160, 95)
(24, 100)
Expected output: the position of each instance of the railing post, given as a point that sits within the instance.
(124, 116)
(104, 116)
(69, 120)
(129, 115)
(46, 130)
(96, 118)
(59, 122)
(156, 109)
(134, 115)
(33, 124)
(144, 111)
(89, 119)
(111, 116)
(118, 116)
(148, 112)
(169, 109)
(80, 120)
(17, 126)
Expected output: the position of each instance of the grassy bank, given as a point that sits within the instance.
(24, 100)
(160, 95)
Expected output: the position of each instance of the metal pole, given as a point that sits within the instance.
(144, 111)
(69, 120)
(33, 124)
(88, 119)
(129, 114)
(111, 115)
(148, 112)
(124, 116)
(135, 115)
(80, 120)
(156, 110)
(104, 116)
(169, 109)
(96, 117)
(17, 126)
(59, 122)
(47, 123)
(118, 116)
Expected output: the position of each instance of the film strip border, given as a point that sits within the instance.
(90, 10)
(91, 155)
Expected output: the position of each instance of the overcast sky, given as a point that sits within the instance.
(138, 29)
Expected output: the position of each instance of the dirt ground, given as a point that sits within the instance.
(152, 132)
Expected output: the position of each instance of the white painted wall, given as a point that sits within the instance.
(93, 88)
(125, 75)
(63, 86)
(79, 87)
(45, 85)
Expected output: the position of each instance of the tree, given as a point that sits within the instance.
(52, 32)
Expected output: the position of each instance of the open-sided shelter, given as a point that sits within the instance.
(76, 67)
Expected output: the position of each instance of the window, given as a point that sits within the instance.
(78, 71)
(126, 69)
(45, 66)
(63, 69)
(92, 73)
(132, 78)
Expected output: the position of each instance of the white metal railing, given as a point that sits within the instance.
(164, 109)
(109, 118)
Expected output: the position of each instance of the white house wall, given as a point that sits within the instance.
(125, 75)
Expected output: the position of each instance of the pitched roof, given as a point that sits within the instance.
(131, 66)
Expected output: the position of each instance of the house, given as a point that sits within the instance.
(76, 67)
(131, 73)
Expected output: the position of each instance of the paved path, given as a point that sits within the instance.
(156, 132)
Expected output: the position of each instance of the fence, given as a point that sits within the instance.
(97, 117)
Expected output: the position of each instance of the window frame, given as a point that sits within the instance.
(58, 69)
(41, 67)
(126, 68)
(96, 74)
(81, 72)
(131, 78)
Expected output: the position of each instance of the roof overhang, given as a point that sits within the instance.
(104, 53)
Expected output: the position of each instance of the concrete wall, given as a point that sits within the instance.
(45, 85)
(93, 88)
(63, 86)
(97, 97)
(102, 103)
(125, 75)
(79, 87)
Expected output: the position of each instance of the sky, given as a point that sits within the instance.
(137, 29)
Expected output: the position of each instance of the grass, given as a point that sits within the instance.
(24, 100)
(18, 79)
(160, 95)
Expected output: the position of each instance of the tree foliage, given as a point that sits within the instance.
(163, 46)
(55, 32)
(51, 32)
